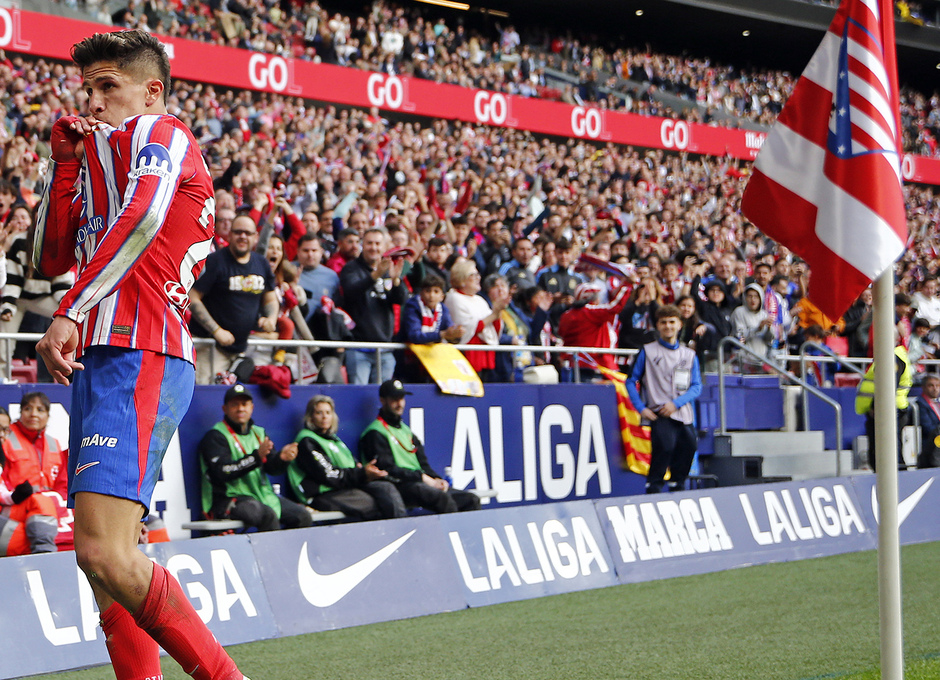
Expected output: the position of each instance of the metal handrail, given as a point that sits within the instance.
(8, 340)
(915, 412)
(723, 417)
(829, 353)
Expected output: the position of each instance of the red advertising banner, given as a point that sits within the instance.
(28, 32)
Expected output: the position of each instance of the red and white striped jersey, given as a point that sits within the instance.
(141, 216)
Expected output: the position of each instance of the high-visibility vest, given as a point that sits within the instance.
(904, 379)
(26, 463)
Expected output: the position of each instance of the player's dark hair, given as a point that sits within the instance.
(35, 396)
(306, 238)
(135, 52)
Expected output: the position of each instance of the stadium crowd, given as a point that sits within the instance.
(449, 191)
(350, 226)
(537, 63)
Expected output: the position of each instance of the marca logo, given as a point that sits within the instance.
(754, 140)
(547, 463)
(554, 556)
(667, 528)
(781, 516)
(99, 440)
(227, 591)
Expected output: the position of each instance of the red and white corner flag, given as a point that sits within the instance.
(827, 181)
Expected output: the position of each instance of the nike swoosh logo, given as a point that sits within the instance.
(81, 468)
(904, 507)
(325, 590)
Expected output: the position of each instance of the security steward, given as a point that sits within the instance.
(394, 448)
(236, 457)
(865, 398)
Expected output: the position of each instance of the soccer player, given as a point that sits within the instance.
(129, 201)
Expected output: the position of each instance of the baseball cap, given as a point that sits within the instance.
(392, 389)
(237, 392)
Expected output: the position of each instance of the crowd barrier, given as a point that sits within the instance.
(528, 443)
(259, 586)
(28, 33)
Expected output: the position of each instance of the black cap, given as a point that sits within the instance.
(392, 389)
(715, 283)
(237, 392)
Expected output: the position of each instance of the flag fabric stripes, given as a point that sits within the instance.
(636, 437)
(827, 181)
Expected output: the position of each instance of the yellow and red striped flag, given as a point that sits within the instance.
(635, 435)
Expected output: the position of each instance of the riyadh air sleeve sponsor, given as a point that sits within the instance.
(521, 553)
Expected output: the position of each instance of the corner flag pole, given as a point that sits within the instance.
(889, 545)
(889, 556)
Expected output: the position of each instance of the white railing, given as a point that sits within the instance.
(8, 341)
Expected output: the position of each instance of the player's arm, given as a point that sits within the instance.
(151, 189)
(57, 218)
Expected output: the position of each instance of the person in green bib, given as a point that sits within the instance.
(326, 476)
(236, 457)
(391, 444)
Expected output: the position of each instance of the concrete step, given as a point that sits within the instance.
(807, 464)
(768, 443)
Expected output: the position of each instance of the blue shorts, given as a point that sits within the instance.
(126, 406)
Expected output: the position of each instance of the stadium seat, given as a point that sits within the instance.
(847, 379)
(23, 372)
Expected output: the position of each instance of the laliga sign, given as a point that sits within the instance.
(387, 92)
(266, 72)
(674, 134)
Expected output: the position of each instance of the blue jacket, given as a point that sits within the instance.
(410, 323)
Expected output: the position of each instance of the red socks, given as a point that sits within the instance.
(134, 654)
(172, 621)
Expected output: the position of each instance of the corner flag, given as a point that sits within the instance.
(827, 181)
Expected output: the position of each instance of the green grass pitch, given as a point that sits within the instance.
(814, 619)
